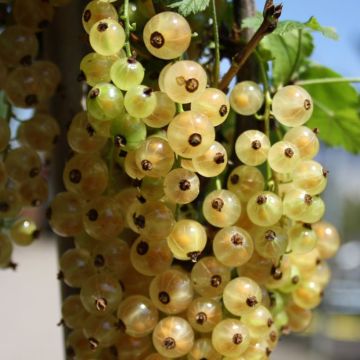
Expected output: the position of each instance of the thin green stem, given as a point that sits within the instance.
(328, 81)
(179, 108)
(263, 72)
(127, 28)
(218, 184)
(217, 44)
(267, 114)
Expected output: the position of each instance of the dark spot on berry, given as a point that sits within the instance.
(184, 185)
(146, 165)
(102, 27)
(215, 281)
(142, 248)
(193, 256)
(195, 139)
(169, 343)
(99, 261)
(270, 322)
(256, 144)
(191, 85)
(139, 221)
(325, 172)
(223, 110)
(289, 152)
(273, 336)
(237, 339)
(87, 15)
(157, 40)
(92, 215)
(164, 297)
(200, 318)
(308, 199)
(251, 301)
(295, 279)
(119, 141)
(234, 179)
(94, 344)
(90, 130)
(237, 240)
(307, 104)
(276, 273)
(219, 158)
(148, 91)
(141, 199)
(101, 304)
(94, 93)
(270, 235)
(261, 199)
(217, 204)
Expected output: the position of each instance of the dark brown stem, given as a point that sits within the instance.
(271, 15)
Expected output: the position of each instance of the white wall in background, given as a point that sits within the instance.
(30, 305)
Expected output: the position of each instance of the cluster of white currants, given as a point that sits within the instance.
(147, 290)
(26, 82)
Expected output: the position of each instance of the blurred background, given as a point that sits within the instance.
(31, 297)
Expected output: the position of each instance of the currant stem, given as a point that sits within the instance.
(218, 184)
(179, 108)
(267, 114)
(263, 72)
(328, 81)
(127, 28)
(217, 43)
(269, 24)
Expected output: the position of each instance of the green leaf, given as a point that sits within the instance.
(286, 26)
(187, 7)
(252, 22)
(336, 110)
(288, 53)
(327, 31)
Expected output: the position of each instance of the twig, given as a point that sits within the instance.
(128, 28)
(271, 15)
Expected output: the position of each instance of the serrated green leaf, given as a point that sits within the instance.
(336, 110)
(286, 26)
(187, 7)
(288, 52)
